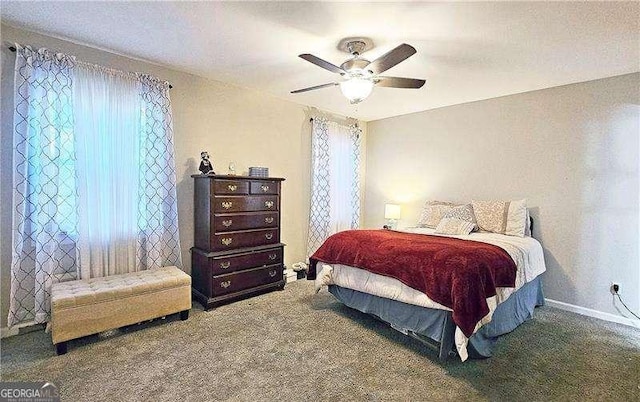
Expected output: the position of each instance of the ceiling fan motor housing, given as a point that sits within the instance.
(356, 47)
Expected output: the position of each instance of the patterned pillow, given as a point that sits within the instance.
(504, 217)
(454, 226)
(432, 213)
(462, 212)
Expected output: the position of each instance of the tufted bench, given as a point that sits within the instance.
(85, 307)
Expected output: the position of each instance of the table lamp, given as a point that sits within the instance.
(391, 214)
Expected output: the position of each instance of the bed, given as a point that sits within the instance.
(438, 321)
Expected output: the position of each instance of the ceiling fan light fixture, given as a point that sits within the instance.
(356, 89)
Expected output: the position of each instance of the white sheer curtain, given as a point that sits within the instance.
(342, 174)
(335, 186)
(94, 177)
(107, 108)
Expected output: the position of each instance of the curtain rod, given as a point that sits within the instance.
(13, 49)
(356, 123)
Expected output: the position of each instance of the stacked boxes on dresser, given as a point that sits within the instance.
(237, 238)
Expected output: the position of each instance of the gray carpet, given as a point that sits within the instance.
(294, 346)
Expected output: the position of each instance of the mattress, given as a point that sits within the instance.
(526, 252)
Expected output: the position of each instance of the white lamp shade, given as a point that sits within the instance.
(356, 89)
(392, 211)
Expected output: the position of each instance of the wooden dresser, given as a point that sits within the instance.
(237, 249)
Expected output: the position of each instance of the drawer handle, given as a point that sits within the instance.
(268, 236)
(268, 219)
(227, 223)
(268, 204)
(225, 284)
(227, 204)
(264, 188)
(226, 241)
(273, 273)
(273, 256)
(232, 187)
(225, 264)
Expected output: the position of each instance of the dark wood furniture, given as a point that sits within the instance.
(237, 249)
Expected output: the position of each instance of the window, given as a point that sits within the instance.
(94, 176)
(335, 184)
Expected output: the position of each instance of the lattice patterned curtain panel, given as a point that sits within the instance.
(44, 188)
(355, 134)
(158, 242)
(320, 191)
(335, 180)
(94, 177)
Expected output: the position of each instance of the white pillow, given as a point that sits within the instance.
(454, 226)
(504, 217)
(432, 213)
(462, 212)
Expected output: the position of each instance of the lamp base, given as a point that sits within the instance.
(391, 224)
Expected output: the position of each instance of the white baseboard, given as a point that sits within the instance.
(7, 332)
(28, 326)
(593, 313)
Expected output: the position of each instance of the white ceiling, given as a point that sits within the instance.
(466, 51)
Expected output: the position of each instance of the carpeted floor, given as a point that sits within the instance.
(294, 346)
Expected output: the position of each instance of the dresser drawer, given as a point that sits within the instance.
(241, 280)
(224, 265)
(230, 187)
(232, 222)
(231, 240)
(248, 203)
(264, 187)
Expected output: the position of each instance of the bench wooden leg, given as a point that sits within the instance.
(61, 348)
(184, 315)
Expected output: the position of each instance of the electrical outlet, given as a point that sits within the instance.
(615, 288)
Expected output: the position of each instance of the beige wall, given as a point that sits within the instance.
(233, 124)
(572, 151)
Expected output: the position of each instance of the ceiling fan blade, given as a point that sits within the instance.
(297, 91)
(322, 63)
(398, 82)
(391, 58)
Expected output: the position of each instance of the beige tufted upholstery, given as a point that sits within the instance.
(96, 290)
(85, 307)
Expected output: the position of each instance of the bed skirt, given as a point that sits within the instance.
(431, 323)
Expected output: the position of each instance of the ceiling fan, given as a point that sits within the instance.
(360, 75)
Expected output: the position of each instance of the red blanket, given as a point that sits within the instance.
(459, 274)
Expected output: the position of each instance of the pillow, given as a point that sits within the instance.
(464, 213)
(504, 217)
(432, 213)
(454, 226)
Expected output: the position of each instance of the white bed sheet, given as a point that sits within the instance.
(526, 252)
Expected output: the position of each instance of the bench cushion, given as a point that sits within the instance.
(97, 290)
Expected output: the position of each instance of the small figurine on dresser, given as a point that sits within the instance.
(205, 165)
